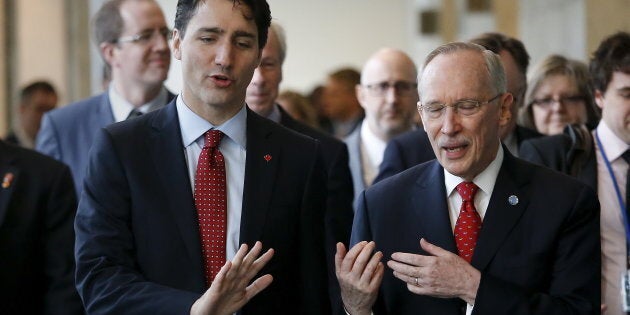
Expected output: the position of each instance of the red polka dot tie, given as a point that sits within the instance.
(468, 223)
(211, 203)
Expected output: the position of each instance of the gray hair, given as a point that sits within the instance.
(493, 62)
(282, 39)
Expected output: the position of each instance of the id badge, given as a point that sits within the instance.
(625, 290)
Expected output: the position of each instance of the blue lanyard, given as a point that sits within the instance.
(622, 204)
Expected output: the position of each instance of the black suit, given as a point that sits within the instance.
(138, 249)
(37, 207)
(339, 211)
(540, 255)
(413, 148)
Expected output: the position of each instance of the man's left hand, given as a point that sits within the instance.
(442, 275)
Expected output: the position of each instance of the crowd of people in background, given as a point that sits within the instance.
(471, 184)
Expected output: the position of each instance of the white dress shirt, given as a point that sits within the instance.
(121, 107)
(233, 147)
(485, 181)
(613, 235)
(372, 150)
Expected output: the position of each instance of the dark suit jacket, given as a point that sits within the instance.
(540, 256)
(559, 153)
(37, 207)
(67, 133)
(413, 148)
(138, 249)
(339, 213)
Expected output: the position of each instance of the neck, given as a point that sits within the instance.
(213, 113)
(137, 96)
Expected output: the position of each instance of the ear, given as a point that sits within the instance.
(360, 92)
(505, 109)
(177, 42)
(107, 51)
(599, 99)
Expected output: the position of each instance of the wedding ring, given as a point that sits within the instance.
(417, 282)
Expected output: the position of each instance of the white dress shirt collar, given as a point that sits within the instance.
(612, 144)
(372, 150)
(121, 107)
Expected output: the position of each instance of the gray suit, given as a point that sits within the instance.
(353, 141)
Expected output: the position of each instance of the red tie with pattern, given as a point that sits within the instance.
(211, 203)
(468, 223)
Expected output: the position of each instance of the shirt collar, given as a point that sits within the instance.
(611, 143)
(121, 107)
(193, 126)
(275, 114)
(374, 146)
(485, 180)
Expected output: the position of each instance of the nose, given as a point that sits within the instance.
(258, 79)
(450, 121)
(391, 94)
(223, 55)
(557, 105)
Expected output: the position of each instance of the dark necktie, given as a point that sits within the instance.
(134, 113)
(626, 157)
(468, 222)
(211, 203)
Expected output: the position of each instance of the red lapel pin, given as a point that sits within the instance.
(267, 157)
(6, 181)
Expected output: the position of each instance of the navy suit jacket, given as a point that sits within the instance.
(339, 213)
(559, 153)
(138, 249)
(413, 148)
(539, 256)
(37, 207)
(67, 133)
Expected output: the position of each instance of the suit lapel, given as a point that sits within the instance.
(263, 156)
(9, 176)
(501, 215)
(588, 173)
(166, 149)
(104, 115)
(432, 210)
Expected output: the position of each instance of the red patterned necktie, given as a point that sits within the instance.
(211, 203)
(468, 223)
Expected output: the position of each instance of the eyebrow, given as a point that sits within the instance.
(216, 30)
(244, 34)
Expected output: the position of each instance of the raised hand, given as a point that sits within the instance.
(360, 274)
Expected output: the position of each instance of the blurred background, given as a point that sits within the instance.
(51, 40)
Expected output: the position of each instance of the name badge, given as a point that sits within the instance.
(625, 290)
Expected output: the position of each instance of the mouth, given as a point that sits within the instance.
(221, 80)
(454, 151)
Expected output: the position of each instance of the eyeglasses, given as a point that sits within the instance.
(145, 37)
(463, 107)
(402, 88)
(564, 100)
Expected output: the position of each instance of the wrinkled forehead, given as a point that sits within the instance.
(459, 73)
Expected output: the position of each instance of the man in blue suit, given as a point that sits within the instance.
(164, 204)
(477, 229)
(133, 40)
(413, 148)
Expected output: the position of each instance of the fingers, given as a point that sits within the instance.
(433, 249)
(259, 263)
(375, 282)
(403, 268)
(371, 267)
(258, 285)
(339, 256)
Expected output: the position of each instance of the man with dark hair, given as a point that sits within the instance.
(169, 196)
(340, 104)
(132, 37)
(261, 98)
(36, 99)
(413, 147)
(37, 207)
(600, 159)
(476, 229)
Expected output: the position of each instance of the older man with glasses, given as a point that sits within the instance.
(388, 95)
(132, 37)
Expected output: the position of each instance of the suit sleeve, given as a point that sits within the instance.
(393, 162)
(574, 286)
(361, 230)
(108, 279)
(61, 296)
(47, 139)
(313, 269)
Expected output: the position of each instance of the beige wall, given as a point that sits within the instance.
(3, 70)
(604, 18)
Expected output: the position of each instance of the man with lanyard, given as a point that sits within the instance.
(604, 164)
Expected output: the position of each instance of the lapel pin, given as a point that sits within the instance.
(513, 200)
(267, 157)
(6, 181)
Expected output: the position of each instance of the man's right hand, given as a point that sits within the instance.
(230, 291)
(360, 274)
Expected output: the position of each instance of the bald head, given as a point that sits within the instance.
(388, 92)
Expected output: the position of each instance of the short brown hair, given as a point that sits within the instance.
(496, 42)
(613, 54)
